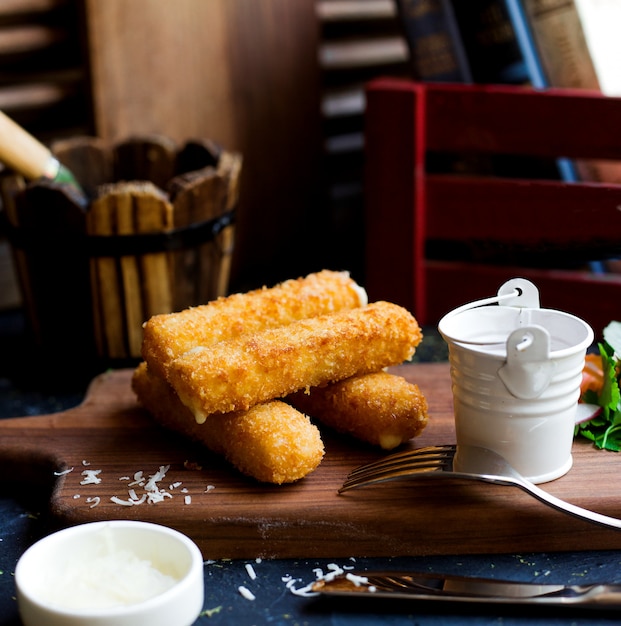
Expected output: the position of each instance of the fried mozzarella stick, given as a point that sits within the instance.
(168, 336)
(237, 374)
(382, 409)
(271, 442)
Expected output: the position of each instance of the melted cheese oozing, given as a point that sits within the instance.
(362, 295)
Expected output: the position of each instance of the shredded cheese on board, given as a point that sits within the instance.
(152, 492)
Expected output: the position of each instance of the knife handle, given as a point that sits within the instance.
(23, 153)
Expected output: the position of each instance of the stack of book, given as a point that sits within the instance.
(543, 43)
(540, 42)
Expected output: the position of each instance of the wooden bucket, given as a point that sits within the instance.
(153, 233)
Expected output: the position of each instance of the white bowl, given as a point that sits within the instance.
(99, 574)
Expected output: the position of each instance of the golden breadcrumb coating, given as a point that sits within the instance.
(237, 374)
(167, 336)
(382, 409)
(271, 442)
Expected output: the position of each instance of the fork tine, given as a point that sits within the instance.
(408, 463)
(421, 463)
(388, 474)
(421, 455)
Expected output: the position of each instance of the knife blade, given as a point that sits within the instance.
(453, 588)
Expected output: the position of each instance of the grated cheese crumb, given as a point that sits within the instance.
(251, 573)
(153, 493)
(154, 497)
(94, 501)
(76, 496)
(246, 593)
(118, 500)
(290, 584)
(304, 592)
(334, 570)
(151, 484)
(138, 479)
(133, 496)
(63, 472)
(91, 477)
(357, 580)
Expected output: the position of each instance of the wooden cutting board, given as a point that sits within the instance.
(231, 516)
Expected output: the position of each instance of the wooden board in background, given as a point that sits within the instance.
(239, 518)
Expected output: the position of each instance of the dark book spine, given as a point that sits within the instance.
(490, 42)
(434, 40)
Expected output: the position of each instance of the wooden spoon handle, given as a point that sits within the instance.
(23, 153)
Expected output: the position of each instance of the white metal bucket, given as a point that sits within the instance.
(516, 371)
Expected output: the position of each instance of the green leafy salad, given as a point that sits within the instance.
(600, 387)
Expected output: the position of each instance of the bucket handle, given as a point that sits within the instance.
(528, 370)
(516, 292)
(520, 293)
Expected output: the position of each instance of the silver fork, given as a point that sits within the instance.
(474, 463)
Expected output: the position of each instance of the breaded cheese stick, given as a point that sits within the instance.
(167, 336)
(271, 442)
(237, 374)
(380, 408)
